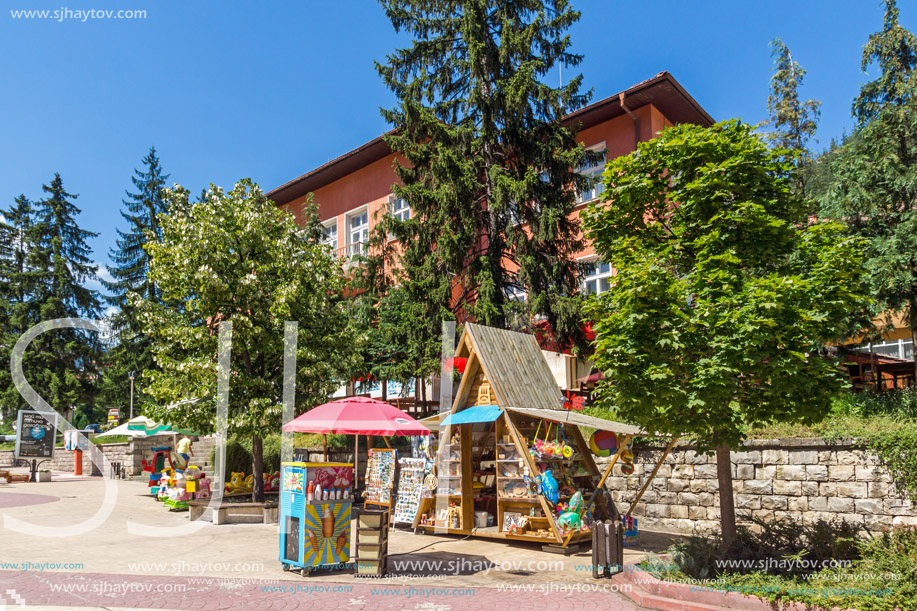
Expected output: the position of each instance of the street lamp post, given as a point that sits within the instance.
(131, 376)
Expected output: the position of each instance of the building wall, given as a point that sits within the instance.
(370, 187)
(799, 479)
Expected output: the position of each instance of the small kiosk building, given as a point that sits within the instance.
(507, 408)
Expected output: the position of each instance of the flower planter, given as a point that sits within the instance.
(44, 476)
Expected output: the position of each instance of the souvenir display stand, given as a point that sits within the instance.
(315, 504)
(381, 474)
(513, 462)
(411, 474)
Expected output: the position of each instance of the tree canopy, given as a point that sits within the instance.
(723, 293)
(234, 256)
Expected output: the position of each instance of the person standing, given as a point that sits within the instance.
(184, 449)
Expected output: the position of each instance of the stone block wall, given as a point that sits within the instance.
(798, 479)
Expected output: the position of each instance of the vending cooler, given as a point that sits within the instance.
(315, 502)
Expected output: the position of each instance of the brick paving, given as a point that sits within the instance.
(50, 589)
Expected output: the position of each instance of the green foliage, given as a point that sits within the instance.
(48, 261)
(239, 455)
(794, 121)
(776, 543)
(883, 579)
(487, 164)
(898, 450)
(234, 256)
(724, 293)
(131, 349)
(894, 49)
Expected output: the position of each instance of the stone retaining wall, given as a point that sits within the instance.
(799, 479)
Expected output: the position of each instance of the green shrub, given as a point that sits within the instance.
(776, 543)
(239, 455)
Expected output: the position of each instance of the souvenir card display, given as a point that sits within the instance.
(380, 476)
(412, 472)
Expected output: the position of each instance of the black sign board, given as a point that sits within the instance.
(34, 436)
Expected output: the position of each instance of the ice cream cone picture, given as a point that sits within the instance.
(341, 540)
(327, 523)
(314, 541)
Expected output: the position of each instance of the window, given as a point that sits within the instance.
(597, 277)
(593, 173)
(400, 209)
(358, 232)
(331, 234)
(899, 348)
(515, 292)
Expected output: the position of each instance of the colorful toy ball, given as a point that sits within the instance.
(603, 443)
(549, 487)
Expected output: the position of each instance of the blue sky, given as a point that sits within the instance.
(232, 89)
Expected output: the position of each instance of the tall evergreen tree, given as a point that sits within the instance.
(131, 350)
(489, 167)
(15, 280)
(894, 49)
(61, 365)
(874, 187)
(794, 121)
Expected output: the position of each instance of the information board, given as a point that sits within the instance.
(34, 436)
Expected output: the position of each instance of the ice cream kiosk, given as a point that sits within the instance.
(315, 502)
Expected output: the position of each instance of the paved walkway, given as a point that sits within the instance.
(24, 499)
(221, 567)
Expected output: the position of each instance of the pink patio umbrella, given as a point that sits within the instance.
(356, 416)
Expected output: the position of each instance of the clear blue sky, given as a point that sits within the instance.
(269, 90)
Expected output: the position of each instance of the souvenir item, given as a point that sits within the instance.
(603, 443)
(549, 487)
(410, 487)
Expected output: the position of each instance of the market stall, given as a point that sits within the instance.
(324, 522)
(513, 461)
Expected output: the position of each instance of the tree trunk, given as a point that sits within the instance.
(258, 469)
(727, 498)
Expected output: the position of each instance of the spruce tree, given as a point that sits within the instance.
(131, 349)
(794, 121)
(19, 313)
(489, 166)
(894, 49)
(61, 365)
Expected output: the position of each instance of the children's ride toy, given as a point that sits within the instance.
(272, 481)
(178, 494)
(240, 483)
(204, 485)
(157, 466)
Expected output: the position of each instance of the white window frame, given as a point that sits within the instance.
(403, 213)
(355, 247)
(327, 238)
(593, 172)
(901, 348)
(597, 276)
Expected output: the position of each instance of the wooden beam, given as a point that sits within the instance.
(646, 484)
(533, 470)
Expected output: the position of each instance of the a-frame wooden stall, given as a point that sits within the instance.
(507, 399)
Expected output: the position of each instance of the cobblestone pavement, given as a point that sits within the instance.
(81, 590)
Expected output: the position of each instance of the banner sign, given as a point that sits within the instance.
(34, 436)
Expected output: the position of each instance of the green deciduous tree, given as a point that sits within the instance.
(487, 166)
(235, 257)
(724, 292)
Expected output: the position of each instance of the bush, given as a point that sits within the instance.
(239, 455)
(771, 547)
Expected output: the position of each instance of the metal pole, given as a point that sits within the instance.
(131, 375)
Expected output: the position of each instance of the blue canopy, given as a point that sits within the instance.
(476, 413)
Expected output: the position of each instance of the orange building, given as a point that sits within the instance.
(353, 188)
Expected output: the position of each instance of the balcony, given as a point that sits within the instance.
(351, 250)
